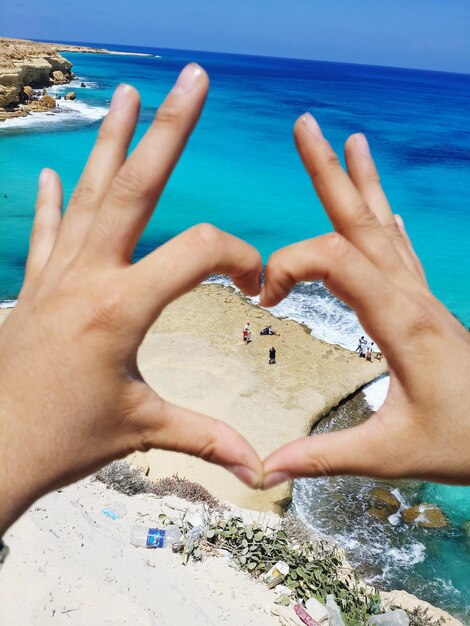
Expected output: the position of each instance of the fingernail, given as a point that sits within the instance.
(400, 222)
(362, 144)
(44, 177)
(187, 79)
(312, 126)
(245, 474)
(274, 478)
(120, 97)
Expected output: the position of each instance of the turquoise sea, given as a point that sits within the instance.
(241, 172)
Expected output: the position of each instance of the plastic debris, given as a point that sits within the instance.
(398, 617)
(114, 511)
(334, 611)
(317, 610)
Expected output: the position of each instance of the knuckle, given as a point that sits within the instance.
(206, 235)
(337, 245)
(321, 168)
(106, 310)
(392, 230)
(423, 320)
(85, 195)
(127, 183)
(362, 217)
(319, 465)
(208, 450)
(168, 115)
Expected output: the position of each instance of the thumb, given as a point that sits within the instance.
(171, 427)
(358, 450)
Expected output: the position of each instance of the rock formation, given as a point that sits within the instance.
(25, 66)
(383, 503)
(70, 95)
(425, 515)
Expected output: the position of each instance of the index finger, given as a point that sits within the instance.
(185, 261)
(139, 183)
(347, 209)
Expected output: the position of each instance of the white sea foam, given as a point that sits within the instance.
(329, 320)
(7, 304)
(67, 113)
(407, 555)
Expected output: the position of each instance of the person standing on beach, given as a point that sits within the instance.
(247, 333)
(360, 344)
(272, 355)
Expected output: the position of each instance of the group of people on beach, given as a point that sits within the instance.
(366, 349)
(267, 331)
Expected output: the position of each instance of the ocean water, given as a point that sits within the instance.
(241, 172)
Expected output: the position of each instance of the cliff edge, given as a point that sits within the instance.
(25, 66)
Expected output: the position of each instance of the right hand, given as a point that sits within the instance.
(423, 429)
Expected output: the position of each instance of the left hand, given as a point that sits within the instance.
(72, 396)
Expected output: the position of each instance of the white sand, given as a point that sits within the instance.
(70, 564)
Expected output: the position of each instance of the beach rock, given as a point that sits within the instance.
(383, 499)
(48, 102)
(27, 64)
(28, 92)
(59, 77)
(425, 515)
(71, 95)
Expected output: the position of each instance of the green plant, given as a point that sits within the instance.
(315, 568)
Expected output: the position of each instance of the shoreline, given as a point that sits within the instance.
(198, 336)
(194, 356)
(83, 575)
(29, 68)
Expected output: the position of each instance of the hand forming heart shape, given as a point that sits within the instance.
(77, 400)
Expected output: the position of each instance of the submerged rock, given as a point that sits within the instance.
(425, 515)
(381, 514)
(383, 499)
(466, 529)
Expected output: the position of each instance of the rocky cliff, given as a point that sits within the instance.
(26, 64)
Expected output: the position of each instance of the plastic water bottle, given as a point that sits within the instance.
(334, 610)
(145, 537)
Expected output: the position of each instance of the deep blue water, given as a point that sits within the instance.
(241, 172)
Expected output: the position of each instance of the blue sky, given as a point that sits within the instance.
(430, 34)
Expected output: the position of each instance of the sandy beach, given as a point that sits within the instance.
(195, 356)
(78, 565)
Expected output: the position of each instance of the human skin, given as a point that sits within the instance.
(423, 428)
(72, 397)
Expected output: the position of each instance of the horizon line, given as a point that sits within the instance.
(262, 56)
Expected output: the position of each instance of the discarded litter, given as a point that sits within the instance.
(317, 610)
(334, 610)
(398, 617)
(192, 536)
(145, 537)
(305, 616)
(114, 511)
(276, 574)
